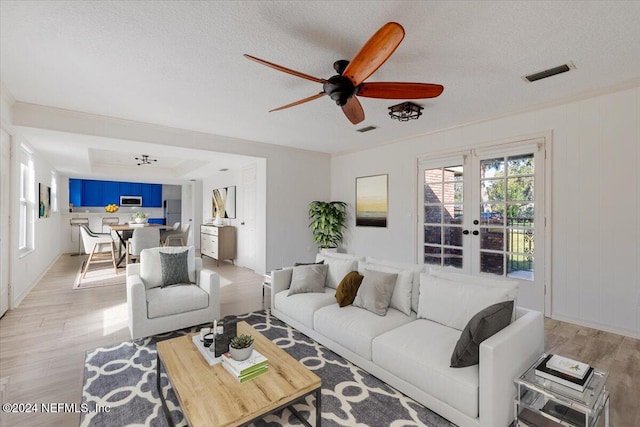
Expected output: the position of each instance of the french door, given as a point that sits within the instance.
(482, 212)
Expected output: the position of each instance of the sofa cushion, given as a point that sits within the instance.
(454, 274)
(175, 268)
(486, 323)
(168, 300)
(415, 269)
(420, 353)
(375, 291)
(339, 266)
(354, 328)
(348, 288)
(151, 269)
(452, 303)
(301, 307)
(308, 278)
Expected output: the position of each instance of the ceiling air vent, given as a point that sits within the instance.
(550, 72)
(366, 129)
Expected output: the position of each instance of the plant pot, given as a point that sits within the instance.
(140, 220)
(241, 354)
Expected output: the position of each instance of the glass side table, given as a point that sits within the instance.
(539, 397)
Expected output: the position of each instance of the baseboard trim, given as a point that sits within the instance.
(595, 325)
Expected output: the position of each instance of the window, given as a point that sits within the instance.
(27, 202)
(54, 192)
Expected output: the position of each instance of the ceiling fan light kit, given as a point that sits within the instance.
(349, 82)
(405, 111)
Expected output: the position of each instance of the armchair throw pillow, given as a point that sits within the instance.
(348, 288)
(175, 268)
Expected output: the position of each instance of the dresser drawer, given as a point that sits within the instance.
(209, 229)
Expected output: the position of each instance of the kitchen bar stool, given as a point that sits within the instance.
(109, 221)
(78, 222)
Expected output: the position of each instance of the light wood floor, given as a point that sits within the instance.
(43, 342)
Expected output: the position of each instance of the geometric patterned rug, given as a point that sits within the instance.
(123, 377)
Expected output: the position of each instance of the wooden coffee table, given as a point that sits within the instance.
(210, 396)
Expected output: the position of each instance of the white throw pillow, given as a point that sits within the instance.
(416, 269)
(374, 293)
(151, 267)
(338, 267)
(401, 298)
(453, 303)
(308, 278)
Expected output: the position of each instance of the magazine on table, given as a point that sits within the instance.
(208, 355)
(249, 376)
(544, 371)
(568, 366)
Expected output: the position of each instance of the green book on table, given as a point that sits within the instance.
(254, 362)
(251, 375)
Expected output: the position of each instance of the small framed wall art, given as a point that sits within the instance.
(372, 200)
(44, 202)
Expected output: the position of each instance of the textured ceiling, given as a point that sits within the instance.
(180, 64)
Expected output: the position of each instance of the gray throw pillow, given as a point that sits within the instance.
(308, 278)
(175, 268)
(374, 294)
(484, 324)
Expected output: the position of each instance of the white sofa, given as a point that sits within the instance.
(154, 309)
(413, 354)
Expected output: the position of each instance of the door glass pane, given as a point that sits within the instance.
(520, 241)
(492, 214)
(433, 193)
(452, 258)
(520, 214)
(492, 263)
(492, 238)
(452, 236)
(520, 266)
(433, 214)
(490, 168)
(433, 235)
(433, 255)
(492, 190)
(520, 189)
(520, 165)
(443, 204)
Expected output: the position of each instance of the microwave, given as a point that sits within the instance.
(131, 201)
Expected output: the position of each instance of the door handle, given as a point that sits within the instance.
(476, 232)
(465, 232)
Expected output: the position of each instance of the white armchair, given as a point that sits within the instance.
(154, 309)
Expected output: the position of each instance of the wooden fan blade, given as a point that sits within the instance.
(284, 69)
(302, 101)
(353, 110)
(374, 52)
(403, 90)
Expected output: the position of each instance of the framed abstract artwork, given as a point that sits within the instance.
(223, 202)
(372, 200)
(44, 202)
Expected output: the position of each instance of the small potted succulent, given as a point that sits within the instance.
(140, 217)
(241, 347)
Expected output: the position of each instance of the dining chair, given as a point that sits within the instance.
(166, 233)
(182, 236)
(143, 238)
(99, 246)
(77, 222)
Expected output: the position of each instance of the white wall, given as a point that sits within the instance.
(595, 237)
(26, 270)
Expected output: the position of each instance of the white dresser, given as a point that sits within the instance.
(218, 243)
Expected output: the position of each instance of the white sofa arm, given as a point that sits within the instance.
(136, 303)
(503, 357)
(280, 281)
(209, 281)
(133, 269)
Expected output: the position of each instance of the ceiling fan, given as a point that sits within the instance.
(349, 82)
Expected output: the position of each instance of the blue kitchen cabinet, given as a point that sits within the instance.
(92, 192)
(75, 191)
(152, 195)
(111, 193)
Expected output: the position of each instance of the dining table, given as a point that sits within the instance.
(121, 231)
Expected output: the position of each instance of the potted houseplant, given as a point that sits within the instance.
(327, 222)
(241, 347)
(140, 217)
